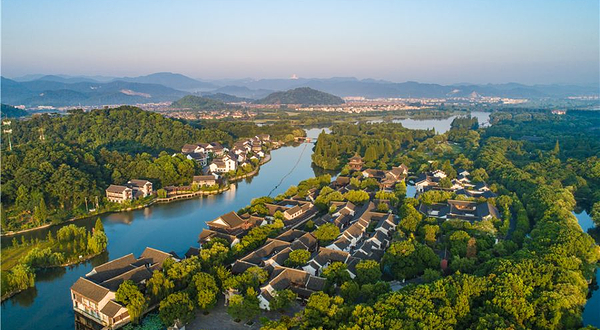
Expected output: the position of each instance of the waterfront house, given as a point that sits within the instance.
(119, 194)
(93, 296)
(204, 180)
(140, 187)
(232, 224)
(207, 235)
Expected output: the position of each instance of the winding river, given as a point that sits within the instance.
(175, 227)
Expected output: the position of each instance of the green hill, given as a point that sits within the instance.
(302, 96)
(193, 102)
(8, 111)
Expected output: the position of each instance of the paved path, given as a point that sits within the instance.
(218, 319)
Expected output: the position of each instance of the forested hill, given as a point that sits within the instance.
(8, 111)
(199, 103)
(57, 162)
(125, 128)
(302, 96)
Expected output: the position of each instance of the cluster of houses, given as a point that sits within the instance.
(469, 210)
(365, 233)
(216, 158)
(93, 295)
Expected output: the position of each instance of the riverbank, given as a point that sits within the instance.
(150, 203)
(165, 226)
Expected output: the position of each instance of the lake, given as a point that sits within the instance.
(440, 125)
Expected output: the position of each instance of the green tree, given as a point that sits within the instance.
(177, 306)
(98, 226)
(409, 259)
(357, 196)
(368, 271)
(130, 295)
(207, 289)
(159, 286)
(326, 233)
(282, 300)
(336, 273)
(297, 258)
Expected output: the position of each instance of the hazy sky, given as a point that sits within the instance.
(443, 41)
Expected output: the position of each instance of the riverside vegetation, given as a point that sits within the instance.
(59, 166)
(72, 244)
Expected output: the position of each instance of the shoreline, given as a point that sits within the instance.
(150, 203)
(8, 295)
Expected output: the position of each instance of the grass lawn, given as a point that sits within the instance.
(11, 256)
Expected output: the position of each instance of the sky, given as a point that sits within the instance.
(477, 41)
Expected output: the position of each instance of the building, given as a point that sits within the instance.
(140, 187)
(93, 296)
(119, 194)
(355, 163)
(223, 165)
(204, 180)
(463, 210)
(232, 224)
(300, 282)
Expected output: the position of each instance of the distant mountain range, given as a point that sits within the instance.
(302, 96)
(62, 90)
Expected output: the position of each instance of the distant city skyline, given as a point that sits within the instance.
(529, 42)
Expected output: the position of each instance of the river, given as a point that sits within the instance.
(590, 313)
(168, 227)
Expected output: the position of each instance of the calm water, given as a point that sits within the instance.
(590, 313)
(440, 125)
(169, 227)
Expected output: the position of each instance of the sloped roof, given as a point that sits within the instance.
(111, 309)
(113, 188)
(89, 289)
(112, 268)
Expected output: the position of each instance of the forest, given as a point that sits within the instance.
(59, 165)
(537, 278)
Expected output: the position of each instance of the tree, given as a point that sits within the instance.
(236, 307)
(98, 226)
(326, 233)
(357, 196)
(41, 212)
(21, 277)
(159, 286)
(282, 300)
(410, 218)
(431, 275)
(409, 259)
(297, 258)
(129, 295)
(595, 213)
(207, 289)
(97, 242)
(177, 306)
(368, 271)
(350, 291)
(336, 273)
(251, 304)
